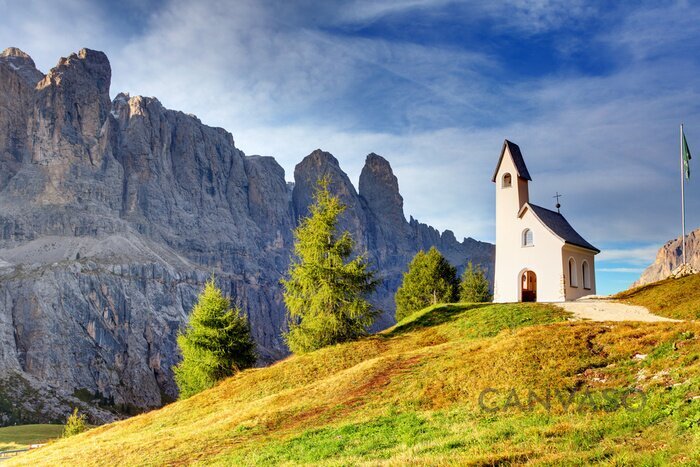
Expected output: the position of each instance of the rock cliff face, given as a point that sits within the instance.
(113, 213)
(670, 256)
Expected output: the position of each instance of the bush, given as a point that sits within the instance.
(474, 287)
(325, 291)
(430, 279)
(75, 424)
(215, 344)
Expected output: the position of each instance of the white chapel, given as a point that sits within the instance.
(539, 256)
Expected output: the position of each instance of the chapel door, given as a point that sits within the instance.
(529, 286)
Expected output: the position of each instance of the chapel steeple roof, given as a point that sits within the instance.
(518, 160)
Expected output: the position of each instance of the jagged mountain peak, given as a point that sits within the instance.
(135, 105)
(21, 63)
(373, 157)
(124, 98)
(15, 52)
(377, 166)
(312, 168)
(380, 189)
(85, 64)
(86, 55)
(670, 256)
(72, 104)
(319, 156)
(95, 55)
(315, 166)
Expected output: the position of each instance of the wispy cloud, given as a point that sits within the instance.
(639, 255)
(536, 17)
(363, 11)
(49, 30)
(622, 270)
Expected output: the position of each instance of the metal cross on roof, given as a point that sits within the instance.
(557, 196)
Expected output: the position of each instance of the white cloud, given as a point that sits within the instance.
(667, 29)
(526, 16)
(363, 11)
(538, 16)
(50, 30)
(621, 270)
(638, 255)
(240, 65)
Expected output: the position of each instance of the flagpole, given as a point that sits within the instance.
(682, 198)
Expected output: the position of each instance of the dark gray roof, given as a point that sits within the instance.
(561, 227)
(517, 159)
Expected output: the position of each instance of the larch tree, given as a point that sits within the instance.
(474, 286)
(215, 344)
(326, 290)
(430, 279)
(75, 424)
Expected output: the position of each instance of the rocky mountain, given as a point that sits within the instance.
(670, 256)
(113, 213)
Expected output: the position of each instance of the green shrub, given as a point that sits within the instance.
(75, 424)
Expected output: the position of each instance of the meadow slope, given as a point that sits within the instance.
(618, 393)
(23, 436)
(672, 298)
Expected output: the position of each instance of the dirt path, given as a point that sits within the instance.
(609, 310)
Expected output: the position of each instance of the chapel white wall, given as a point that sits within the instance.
(579, 255)
(544, 258)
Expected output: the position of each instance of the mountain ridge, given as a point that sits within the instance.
(115, 211)
(670, 256)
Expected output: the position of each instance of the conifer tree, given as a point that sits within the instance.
(474, 286)
(215, 344)
(75, 424)
(325, 291)
(430, 279)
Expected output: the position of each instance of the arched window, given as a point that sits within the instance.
(586, 275)
(528, 239)
(506, 181)
(573, 276)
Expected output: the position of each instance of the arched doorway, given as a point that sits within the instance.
(528, 286)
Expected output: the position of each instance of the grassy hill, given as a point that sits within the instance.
(411, 395)
(673, 298)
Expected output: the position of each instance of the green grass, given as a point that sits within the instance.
(457, 436)
(410, 395)
(21, 436)
(672, 298)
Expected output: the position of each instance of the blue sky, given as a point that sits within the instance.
(593, 92)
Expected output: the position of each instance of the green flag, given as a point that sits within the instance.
(686, 158)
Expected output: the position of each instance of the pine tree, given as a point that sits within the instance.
(215, 344)
(325, 291)
(430, 279)
(474, 287)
